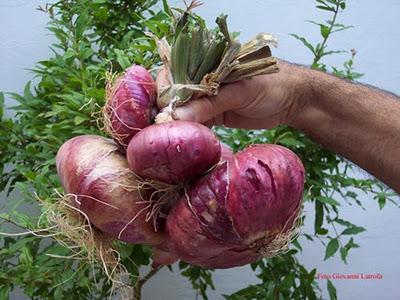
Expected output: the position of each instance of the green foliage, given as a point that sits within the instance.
(331, 290)
(201, 279)
(281, 278)
(92, 37)
(96, 36)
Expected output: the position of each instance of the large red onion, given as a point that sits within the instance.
(173, 152)
(91, 168)
(234, 214)
(130, 105)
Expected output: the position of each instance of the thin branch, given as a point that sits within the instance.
(138, 287)
(7, 220)
(318, 56)
(150, 274)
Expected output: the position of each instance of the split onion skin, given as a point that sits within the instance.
(92, 168)
(131, 105)
(242, 203)
(173, 152)
(226, 153)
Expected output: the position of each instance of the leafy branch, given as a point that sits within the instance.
(326, 31)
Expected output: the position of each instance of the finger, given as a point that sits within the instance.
(209, 124)
(200, 110)
(216, 121)
(207, 108)
(234, 120)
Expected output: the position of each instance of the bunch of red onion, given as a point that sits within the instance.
(218, 209)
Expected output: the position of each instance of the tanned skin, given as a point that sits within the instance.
(358, 122)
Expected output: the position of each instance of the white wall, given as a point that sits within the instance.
(24, 40)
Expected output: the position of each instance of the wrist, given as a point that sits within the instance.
(316, 111)
(300, 83)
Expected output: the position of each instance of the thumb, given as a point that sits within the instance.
(205, 109)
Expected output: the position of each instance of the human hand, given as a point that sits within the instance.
(264, 101)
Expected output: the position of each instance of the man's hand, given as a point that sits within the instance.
(358, 122)
(261, 102)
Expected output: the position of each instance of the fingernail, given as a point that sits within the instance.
(184, 113)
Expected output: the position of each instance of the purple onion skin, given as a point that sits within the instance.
(132, 104)
(173, 152)
(190, 240)
(245, 200)
(274, 176)
(77, 157)
(92, 168)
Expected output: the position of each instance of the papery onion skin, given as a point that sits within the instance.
(173, 152)
(241, 204)
(130, 105)
(101, 185)
(226, 153)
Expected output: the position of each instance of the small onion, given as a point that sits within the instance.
(130, 104)
(173, 152)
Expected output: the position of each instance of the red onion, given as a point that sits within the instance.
(92, 169)
(130, 104)
(173, 152)
(240, 211)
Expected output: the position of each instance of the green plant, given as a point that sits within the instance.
(93, 37)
